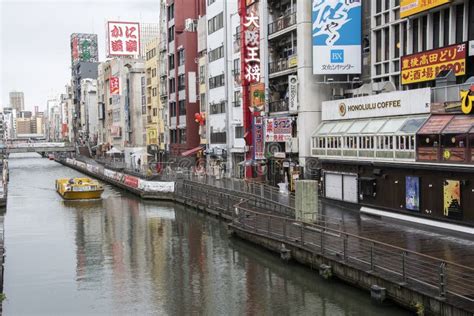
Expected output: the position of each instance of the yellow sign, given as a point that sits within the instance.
(466, 101)
(446, 154)
(411, 7)
(293, 61)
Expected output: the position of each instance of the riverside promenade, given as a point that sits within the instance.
(420, 268)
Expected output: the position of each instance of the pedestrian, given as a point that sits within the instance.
(139, 162)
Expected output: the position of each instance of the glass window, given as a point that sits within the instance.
(459, 22)
(181, 57)
(436, 32)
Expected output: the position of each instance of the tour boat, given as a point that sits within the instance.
(51, 157)
(79, 188)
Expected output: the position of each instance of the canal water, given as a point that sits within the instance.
(124, 256)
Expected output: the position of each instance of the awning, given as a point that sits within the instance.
(435, 124)
(460, 124)
(192, 151)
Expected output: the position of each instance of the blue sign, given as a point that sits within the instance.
(337, 36)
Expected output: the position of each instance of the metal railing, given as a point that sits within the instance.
(282, 23)
(439, 278)
(278, 106)
(448, 93)
(281, 64)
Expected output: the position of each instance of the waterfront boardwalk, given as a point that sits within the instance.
(415, 264)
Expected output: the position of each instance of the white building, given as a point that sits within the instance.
(89, 110)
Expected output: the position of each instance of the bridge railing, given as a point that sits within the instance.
(440, 278)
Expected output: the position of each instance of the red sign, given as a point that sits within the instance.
(114, 84)
(123, 38)
(427, 65)
(131, 181)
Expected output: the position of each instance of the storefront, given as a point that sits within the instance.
(410, 161)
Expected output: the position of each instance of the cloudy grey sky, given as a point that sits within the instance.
(34, 40)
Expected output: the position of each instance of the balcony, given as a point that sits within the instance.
(148, 81)
(278, 106)
(282, 23)
(282, 64)
(148, 100)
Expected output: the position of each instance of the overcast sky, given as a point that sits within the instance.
(35, 52)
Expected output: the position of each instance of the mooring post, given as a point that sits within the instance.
(442, 280)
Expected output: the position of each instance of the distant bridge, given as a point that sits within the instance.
(36, 148)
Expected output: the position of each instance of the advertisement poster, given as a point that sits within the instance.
(84, 47)
(257, 97)
(412, 193)
(337, 37)
(114, 85)
(427, 65)
(452, 199)
(278, 129)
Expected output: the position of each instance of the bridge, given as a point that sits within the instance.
(41, 148)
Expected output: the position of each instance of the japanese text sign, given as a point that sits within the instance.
(114, 84)
(427, 65)
(411, 7)
(123, 39)
(259, 144)
(337, 36)
(278, 129)
(84, 47)
(251, 49)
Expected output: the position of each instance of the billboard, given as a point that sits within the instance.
(416, 101)
(114, 85)
(250, 51)
(278, 129)
(257, 97)
(411, 7)
(84, 47)
(337, 37)
(123, 39)
(425, 66)
(412, 193)
(452, 199)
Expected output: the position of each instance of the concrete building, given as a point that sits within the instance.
(23, 125)
(152, 98)
(17, 100)
(182, 72)
(80, 70)
(163, 137)
(9, 120)
(148, 33)
(402, 141)
(89, 120)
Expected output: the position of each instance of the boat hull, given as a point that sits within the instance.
(81, 195)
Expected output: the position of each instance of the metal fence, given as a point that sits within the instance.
(438, 277)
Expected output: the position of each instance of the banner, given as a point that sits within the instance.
(427, 65)
(156, 186)
(411, 7)
(337, 37)
(257, 97)
(452, 199)
(278, 129)
(131, 181)
(412, 193)
(258, 139)
(109, 173)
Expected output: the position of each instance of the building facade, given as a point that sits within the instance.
(17, 100)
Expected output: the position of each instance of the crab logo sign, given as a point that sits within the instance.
(337, 36)
(123, 39)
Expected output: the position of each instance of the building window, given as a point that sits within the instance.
(171, 34)
(202, 74)
(216, 23)
(446, 27)
(171, 62)
(415, 36)
(239, 132)
(436, 26)
(217, 81)
(171, 12)
(172, 109)
(153, 72)
(459, 23)
(172, 85)
(173, 136)
(181, 57)
(182, 136)
(237, 96)
(236, 69)
(209, 2)
(182, 107)
(218, 138)
(217, 108)
(216, 54)
(154, 92)
(181, 82)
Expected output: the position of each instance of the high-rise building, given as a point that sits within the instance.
(17, 100)
(148, 32)
(152, 98)
(182, 76)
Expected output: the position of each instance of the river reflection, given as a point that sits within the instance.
(124, 256)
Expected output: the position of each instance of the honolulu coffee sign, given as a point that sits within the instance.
(386, 104)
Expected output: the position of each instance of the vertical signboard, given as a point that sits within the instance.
(452, 199)
(123, 39)
(337, 36)
(293, 94)
(84, 47)
(257, 97)
(251, 49)
(114, 83)
(259, 145)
